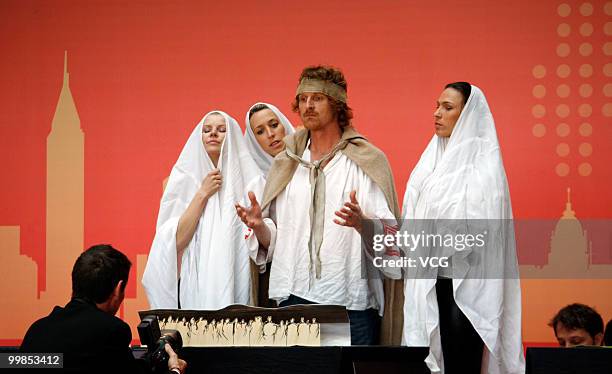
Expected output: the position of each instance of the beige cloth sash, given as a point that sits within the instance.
(317, 202)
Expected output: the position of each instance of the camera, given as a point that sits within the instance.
(155, 340)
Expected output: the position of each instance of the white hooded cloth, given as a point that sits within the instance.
(464, 178)
(215, 269)
(261, 157)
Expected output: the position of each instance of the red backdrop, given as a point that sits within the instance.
(142, 74)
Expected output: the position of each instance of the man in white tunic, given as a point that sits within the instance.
(319, 189)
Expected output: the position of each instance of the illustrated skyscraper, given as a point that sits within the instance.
(65, 196)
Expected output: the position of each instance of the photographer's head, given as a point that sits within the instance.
(100, 275)
(577, 324)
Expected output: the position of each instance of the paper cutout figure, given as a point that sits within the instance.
(292, 333)
(315, 333)
(269, 332)
(241, 334)
(256, 336)
(280, 340)
(303, 332)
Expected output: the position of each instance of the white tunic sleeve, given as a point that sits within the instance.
(258, 254)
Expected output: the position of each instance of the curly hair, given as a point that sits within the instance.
(343, 112)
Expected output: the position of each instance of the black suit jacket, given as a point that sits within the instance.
(90, 339)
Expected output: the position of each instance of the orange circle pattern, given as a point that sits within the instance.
(587, 49)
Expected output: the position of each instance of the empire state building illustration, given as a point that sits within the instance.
(65, 195)
(22, 303)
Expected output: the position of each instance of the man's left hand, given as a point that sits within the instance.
(351, 213)
(175, 364)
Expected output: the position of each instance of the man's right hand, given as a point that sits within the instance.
(252, 216)
(175, 363)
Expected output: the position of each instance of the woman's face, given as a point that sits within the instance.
(213, 134)
(268, 131)
(448, 109)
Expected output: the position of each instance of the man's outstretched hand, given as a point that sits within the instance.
(250, 216)
(351, 213)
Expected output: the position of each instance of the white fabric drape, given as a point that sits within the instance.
(215, 265)
(464, 178)
(263, 159)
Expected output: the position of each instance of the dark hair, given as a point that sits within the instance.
(464, 88)
(256, 108)
(608, 334)
(97, 271)
(343, 112)
(578, 316)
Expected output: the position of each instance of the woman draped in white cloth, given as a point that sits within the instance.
(470, 321)
(266, 126)
(199, 239)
